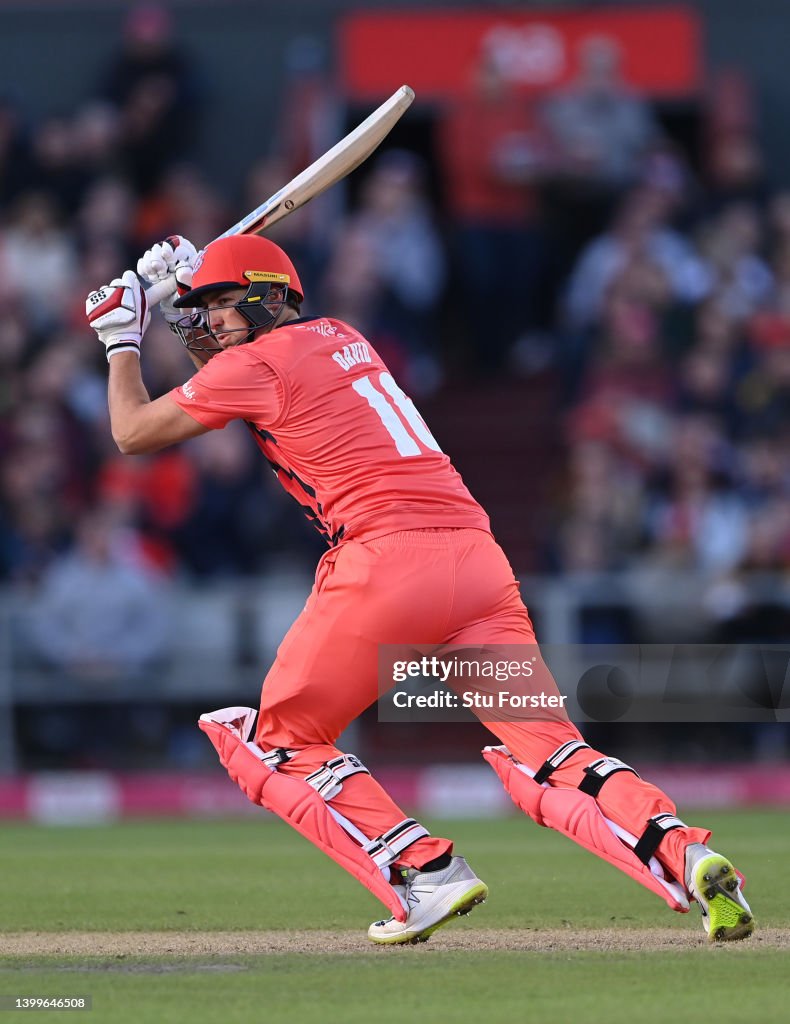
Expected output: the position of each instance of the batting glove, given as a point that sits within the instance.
(174, 257)
(119, 314)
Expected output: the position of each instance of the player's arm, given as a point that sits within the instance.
(119, 314)
(138, 424)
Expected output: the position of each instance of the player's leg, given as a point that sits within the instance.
(325, 675)
(552, 752)
(552, 745)
(642, 815)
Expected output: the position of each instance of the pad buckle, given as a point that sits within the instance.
(560, 755)
(386, 848)
(600, 771)
(657, 827)
(271, 758)
(327, 780)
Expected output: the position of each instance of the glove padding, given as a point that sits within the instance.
(119, 314)
(174, 257)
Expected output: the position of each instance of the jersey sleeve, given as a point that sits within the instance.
(233, 385)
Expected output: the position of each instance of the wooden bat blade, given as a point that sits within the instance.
(344, 157)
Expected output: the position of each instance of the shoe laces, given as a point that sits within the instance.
(412, 899)
(410, 876)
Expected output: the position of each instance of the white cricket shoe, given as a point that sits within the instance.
(716, 886)
(433, 898)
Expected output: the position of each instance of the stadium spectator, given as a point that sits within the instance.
(733, 163)
(395, 219)
(639, 231)
(697, 520)
(492, 156)
(731, 245)
(152, 84)
(599, 129)
(99, 613)
(598, 132)
(34, 236)
(600, 530)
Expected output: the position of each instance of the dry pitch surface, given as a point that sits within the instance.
(138, 944)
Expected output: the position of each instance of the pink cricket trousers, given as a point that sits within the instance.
(419, 587)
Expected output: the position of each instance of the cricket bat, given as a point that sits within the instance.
(339, 161)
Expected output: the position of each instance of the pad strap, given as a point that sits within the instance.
(599, 771)
(657, 828)
(327, 780)
(271, 758)
(560, 755)
(387, 848)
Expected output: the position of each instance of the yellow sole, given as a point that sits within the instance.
(728, 920)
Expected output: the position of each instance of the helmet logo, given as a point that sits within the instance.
(266, 275)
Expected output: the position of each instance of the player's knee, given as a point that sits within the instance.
(276, 730)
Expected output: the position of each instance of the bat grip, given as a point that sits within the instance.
(160, 290)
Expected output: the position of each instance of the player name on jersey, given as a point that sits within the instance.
(357, 352)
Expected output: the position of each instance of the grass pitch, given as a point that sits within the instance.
(236, 921)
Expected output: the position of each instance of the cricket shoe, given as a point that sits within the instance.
(433, 898)
(716, 886)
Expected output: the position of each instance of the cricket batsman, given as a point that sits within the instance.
(410, 559)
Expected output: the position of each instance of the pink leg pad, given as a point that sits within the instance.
(296, 802)
(577, 816)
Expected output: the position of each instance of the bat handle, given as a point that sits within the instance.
(160, 290)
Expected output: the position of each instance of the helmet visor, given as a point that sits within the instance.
(259, 307)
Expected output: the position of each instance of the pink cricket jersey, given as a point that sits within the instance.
(342, 437)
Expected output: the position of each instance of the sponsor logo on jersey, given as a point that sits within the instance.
(322, 327)
(189, 391)
(356, 352)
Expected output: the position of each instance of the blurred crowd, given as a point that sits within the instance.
(648, 281)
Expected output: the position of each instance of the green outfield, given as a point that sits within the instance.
(238, 921)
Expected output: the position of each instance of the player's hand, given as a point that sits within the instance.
(174, 257)
(119, 314)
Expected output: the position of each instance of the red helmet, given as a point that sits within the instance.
(240, 261)
(246, 262)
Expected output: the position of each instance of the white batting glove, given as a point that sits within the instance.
(119, 314)
(184, 282)
(174, 257)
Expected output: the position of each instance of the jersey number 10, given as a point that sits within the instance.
(386, 411)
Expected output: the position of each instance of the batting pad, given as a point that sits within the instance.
(293, 800)
(577, 816)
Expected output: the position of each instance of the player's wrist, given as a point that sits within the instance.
(123, 345)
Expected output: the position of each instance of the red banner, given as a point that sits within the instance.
(435, 52)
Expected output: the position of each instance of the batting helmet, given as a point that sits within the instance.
(240, 261)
